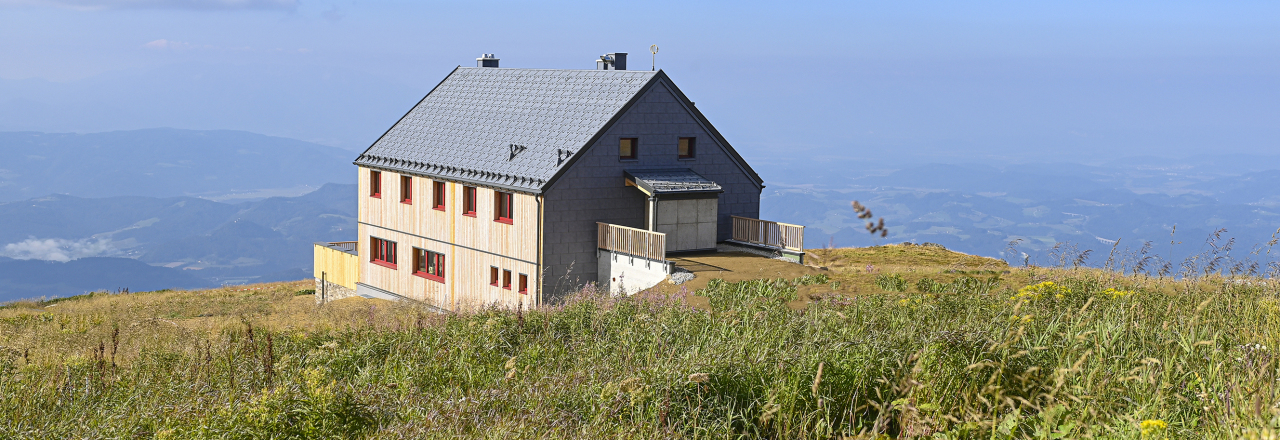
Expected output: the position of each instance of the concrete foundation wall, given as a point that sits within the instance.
(624, 274)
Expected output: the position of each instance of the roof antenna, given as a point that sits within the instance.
(653, 49)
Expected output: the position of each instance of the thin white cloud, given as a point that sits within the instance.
(162, 44)
(92, 5)
(56, 249)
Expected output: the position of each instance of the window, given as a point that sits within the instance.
(493, 276)
(439, 196)
(524, 284)
(406, 190)
(382, 252)
(685, 148)
(469, 201)
(627, 148)
(428, 264)
(502, 207)
(375, 184)
(506, 279)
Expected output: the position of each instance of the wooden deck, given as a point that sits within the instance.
(734, 267)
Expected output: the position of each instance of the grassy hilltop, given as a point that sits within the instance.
(925, 343)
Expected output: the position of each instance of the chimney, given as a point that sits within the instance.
(488, 60)
(612, 61)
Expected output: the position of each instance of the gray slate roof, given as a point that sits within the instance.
(513, 128)
(672, 181)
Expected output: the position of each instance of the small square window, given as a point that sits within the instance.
(524, 284)
(686, 148)
(469, 201)
(493, 276)
(506, 279)
(627, 148)
(375, 184)
(439, 196)
(406, 190)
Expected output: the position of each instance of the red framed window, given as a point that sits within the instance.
(493, 276)
(428, 264)
(524, 284)
(686, 148)
(469, 201)
(506, 279)
(375, 184)
(382, 252)
(502, 207)
(406, 190)
(439, 195)
(628, 148)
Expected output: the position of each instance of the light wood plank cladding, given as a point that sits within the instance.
(471, 244)
(335, 266)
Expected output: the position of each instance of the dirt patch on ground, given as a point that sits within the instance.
(733, 267)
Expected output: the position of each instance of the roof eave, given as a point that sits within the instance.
(533, 190)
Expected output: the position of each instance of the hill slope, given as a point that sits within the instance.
(1030, 353)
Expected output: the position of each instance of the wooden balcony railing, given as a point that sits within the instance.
(632, 241)
(783, 235)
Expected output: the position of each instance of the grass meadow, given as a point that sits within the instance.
(924, 351)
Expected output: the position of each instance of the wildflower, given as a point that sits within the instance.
(1116, 293)
(1023, 319)
(1152, 427)
(1036, 291)
(699, 377)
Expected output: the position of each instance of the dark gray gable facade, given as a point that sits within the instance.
(592, 189)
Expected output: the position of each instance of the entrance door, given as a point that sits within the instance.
(690, 223)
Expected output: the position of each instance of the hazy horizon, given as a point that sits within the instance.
(860, 82)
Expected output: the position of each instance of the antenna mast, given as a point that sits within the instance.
(653, 49)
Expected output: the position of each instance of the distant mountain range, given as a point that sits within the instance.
(213, 242)
(980, 209)
(39, 278)
(165, 207)
(162, 162)
(180, 208)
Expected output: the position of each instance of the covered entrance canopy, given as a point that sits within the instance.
(681, 204)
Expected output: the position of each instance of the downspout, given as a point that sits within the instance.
(541, 272)
(653, 213)
(453, 248)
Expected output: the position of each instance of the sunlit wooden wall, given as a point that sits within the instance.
(471, 245)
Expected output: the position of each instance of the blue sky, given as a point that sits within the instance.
(907, 80)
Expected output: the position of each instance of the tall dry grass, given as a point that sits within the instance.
(1074, 354)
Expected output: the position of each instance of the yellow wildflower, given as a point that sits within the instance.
(1116, 293)
(1152, 427)
(1023, 319)
(1037, 291)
